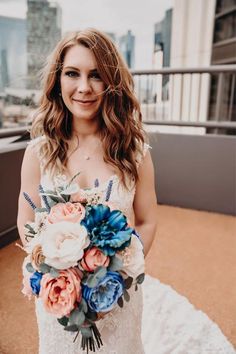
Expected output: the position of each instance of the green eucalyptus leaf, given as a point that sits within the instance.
(83, 305)
(54, 272)
(40, 210)
(140, 278)
(65, 197)
(44, 268)
(126, 295)
(71, 328)
(128, 282)
(57, 199)
(100, 272)
(30, 268)
(63, 321)
(92, 281)
(86, 332)
(120, 302)
(71, 189)
(77, 317)
(115, 264)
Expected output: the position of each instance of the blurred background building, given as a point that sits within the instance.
(43, 32)
(126, 45)
(13, 60)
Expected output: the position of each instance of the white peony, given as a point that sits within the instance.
(63, 244)
(133, 258)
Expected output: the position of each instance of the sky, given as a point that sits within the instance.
(116, 16)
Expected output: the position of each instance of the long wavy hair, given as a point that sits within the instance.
(120, 117)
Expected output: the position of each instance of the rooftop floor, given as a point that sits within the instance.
(193, 251)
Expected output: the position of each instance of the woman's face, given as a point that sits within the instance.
(81, 86)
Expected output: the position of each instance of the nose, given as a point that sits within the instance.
(84, 85)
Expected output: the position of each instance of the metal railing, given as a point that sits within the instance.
(190, 97)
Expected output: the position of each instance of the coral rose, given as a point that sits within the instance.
(60, 295)
(72, 212)
(94, 258)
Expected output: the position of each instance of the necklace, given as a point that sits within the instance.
(86, 156)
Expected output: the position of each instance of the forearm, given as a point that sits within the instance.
(147, 233)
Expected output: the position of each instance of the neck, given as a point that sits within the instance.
(85, 128)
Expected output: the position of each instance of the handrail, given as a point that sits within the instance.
(191, 70)
(221, 125)
(10, 132)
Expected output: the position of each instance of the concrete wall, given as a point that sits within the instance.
(197, 172)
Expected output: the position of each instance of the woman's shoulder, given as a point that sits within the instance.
(34, 147)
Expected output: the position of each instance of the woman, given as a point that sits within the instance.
(89, 121)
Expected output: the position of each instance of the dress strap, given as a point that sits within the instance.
(141, 156)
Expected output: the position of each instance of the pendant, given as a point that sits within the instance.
(87, 157)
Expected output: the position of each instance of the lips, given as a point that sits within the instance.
(84, 101)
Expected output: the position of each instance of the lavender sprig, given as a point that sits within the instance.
(108, 192)
(29, 200)
(96, 183)
(44, 198)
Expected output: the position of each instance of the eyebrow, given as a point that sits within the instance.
(74, 68)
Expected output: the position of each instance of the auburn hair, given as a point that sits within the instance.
(120, 117)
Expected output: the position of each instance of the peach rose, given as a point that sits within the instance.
(94, 258)
(60, 295)
(37, 257)
(73, 212)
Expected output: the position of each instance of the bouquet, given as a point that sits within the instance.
(83, 257)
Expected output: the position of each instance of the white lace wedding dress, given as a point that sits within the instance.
(169, 325)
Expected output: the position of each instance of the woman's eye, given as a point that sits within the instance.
(95, 76)
(71, 74)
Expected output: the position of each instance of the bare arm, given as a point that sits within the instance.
(30, 179)
(145, 203)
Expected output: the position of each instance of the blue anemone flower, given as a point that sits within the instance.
(108, 230)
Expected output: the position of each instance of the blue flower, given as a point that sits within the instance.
(108, 230)
(105, 295)
(35, 281)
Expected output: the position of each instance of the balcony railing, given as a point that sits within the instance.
(190, 97)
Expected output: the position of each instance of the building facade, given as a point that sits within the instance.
(43, 32)
(222, 101)
(13, 67)
(162, 38)
(126, 45)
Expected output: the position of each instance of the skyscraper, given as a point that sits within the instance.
(162, 37)
(43, 32)
(126, 46)
(13, 66)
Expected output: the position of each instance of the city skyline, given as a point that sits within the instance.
(109, 16)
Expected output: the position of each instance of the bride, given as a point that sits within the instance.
(89, 121)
